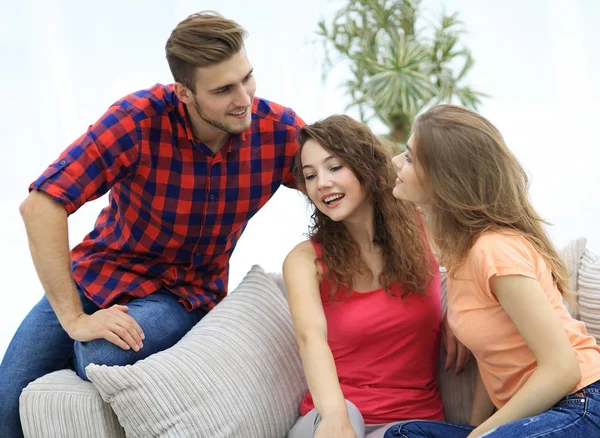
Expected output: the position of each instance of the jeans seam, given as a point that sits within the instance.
(572, 401)
(398, 428)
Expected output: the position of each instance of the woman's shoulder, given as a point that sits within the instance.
(305, 248)
(502, 245)
(501, 237)
(304, 251)
(304, 254)
(301, 262)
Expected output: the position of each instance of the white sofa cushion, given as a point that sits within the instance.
(571, 255)
(60, 405)
(589, 292)
(236, 373)
(456, 391)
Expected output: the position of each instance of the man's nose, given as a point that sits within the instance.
(243, 99)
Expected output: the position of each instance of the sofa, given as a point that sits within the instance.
(237, 373)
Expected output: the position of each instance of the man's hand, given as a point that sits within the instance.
(455, 350)
(112, 324)
(335, 429)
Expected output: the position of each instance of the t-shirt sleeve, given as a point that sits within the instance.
(292, 147)
(92, 164)
(499, 255)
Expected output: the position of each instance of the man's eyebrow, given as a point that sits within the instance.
(221, 87)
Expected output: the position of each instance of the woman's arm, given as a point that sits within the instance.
(302, 283)
(482, 406)
(557, 371)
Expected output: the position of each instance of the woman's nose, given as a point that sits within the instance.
(324, 182)
(397, 161)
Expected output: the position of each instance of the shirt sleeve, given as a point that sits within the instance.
(499, 255)
(91, 165)
(292, 147)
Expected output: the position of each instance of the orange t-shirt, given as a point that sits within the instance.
(479, 321)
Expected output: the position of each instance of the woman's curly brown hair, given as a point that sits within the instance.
(406, 256)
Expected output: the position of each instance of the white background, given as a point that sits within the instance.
(64, 62)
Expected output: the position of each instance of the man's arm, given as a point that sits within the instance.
(47, 231)
(107, 153)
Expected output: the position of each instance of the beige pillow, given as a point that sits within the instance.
(589, 292)
(571, 256)
(456, 391)
(237, 373)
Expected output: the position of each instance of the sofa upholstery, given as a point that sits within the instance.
(237, 373)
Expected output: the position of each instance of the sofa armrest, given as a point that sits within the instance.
(61, 404)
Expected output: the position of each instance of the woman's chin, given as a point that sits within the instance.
(397, 193)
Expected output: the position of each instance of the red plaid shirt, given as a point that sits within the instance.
(176, 210)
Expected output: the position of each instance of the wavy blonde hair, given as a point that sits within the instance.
(477, 185)
(406, 257)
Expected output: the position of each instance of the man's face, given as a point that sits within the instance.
(224, 93)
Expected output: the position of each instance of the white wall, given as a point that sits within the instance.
(65, 63)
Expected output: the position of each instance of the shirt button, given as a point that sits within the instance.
(211, 196)
(198, 254)
(63, 162)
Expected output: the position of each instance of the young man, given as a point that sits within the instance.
(187, 165)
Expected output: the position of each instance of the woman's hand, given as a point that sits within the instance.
(456, 352)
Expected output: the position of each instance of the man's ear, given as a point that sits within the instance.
(183, 93)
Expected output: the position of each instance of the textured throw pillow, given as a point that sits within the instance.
(589, 292)
(456, 391)
(571, 255)
(237, 373)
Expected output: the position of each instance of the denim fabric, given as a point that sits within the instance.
(41, 346)
(574, 416)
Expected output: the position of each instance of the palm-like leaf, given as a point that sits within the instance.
(397, 69)
(400, 81)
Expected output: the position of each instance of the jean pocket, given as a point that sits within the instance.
(575, 399)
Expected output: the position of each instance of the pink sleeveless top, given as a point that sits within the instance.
(385, 350)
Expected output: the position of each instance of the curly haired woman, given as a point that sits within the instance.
(364, 290)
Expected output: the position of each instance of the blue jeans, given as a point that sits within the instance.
(41, 346)
(575, 416)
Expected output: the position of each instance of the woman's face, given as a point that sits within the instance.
(408, 186)
(330, 183)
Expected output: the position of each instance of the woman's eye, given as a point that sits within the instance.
(408, 159)
(309, 177)
(335, 168)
